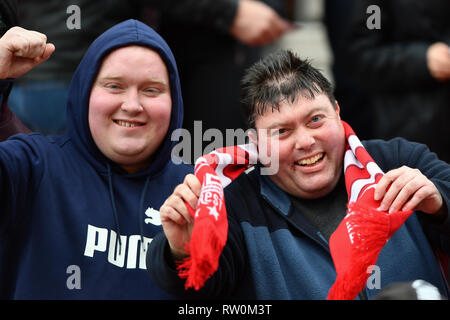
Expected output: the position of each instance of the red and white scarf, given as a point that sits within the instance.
(354, 245)
(209, 234)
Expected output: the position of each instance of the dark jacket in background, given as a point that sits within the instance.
(51, 18)
(211, 62)
(9, 123)
(390, 63)
(8, 15)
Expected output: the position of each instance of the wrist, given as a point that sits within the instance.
(442, 214)
(178, 254)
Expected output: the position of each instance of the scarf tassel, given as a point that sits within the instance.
(356, 244)
(203, 260)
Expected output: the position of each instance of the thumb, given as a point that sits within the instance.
(48, 51)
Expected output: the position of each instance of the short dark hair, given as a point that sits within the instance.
(280, 76)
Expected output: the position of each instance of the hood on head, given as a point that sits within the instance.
(129, 32)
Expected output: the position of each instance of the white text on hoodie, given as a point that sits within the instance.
(131, 253)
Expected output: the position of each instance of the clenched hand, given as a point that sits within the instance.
(21, 50)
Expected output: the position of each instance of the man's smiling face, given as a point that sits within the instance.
(311, 145)
(130, 106)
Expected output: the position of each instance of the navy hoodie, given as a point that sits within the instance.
(73, 224)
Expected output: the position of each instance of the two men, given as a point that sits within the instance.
(78, 209)
(280, 225)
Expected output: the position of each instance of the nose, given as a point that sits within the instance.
(131, 102)
(304, 140)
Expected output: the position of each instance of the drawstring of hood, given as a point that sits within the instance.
(127, 33)
(141, 209)
(114, 208)
(113, 205)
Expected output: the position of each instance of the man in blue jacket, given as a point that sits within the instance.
(79, 210)
(280, 224)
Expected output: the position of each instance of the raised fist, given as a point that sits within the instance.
(21, 50)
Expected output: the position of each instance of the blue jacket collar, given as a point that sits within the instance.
(274, 195)
(280, 200)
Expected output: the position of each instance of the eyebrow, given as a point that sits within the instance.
(312, 111)
(119, 78)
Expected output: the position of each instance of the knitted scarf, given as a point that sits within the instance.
(354, 246)
(359, 238)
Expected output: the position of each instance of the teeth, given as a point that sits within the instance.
(126, 124)
(311, 160)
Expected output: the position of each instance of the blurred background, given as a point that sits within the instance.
(390, 65)
(310, 39)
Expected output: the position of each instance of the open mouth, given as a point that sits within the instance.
(128, 124)
(310, 161)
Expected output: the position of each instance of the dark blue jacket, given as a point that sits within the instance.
(269, 255)
(64, 205)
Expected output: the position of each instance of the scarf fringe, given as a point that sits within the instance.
(369, 230)
(203, 260)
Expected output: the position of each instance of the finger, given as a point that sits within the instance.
(194, 184)
(270, 34)
(38, 35)
(20, 46)
(30, 44)
(169, 213)
(186, 195)
(406, 193)
(30, 49)
(394, 189)
(38, 43)
(384, 183)
(288, 25)
(418, 197)
(48, 51)
(37, 51)
(282, 27)
(181, 205)
(174, 216)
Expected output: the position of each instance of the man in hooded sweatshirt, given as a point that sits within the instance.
(78, 210)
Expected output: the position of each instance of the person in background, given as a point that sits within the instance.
(39, 97)
(347, 89)
(399, 52)
(212, 52)
(9, 123)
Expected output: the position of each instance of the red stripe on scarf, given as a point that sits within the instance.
(209, 234)
(359, 238)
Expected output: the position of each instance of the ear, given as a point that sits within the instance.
(338, 109)
(253, 135)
